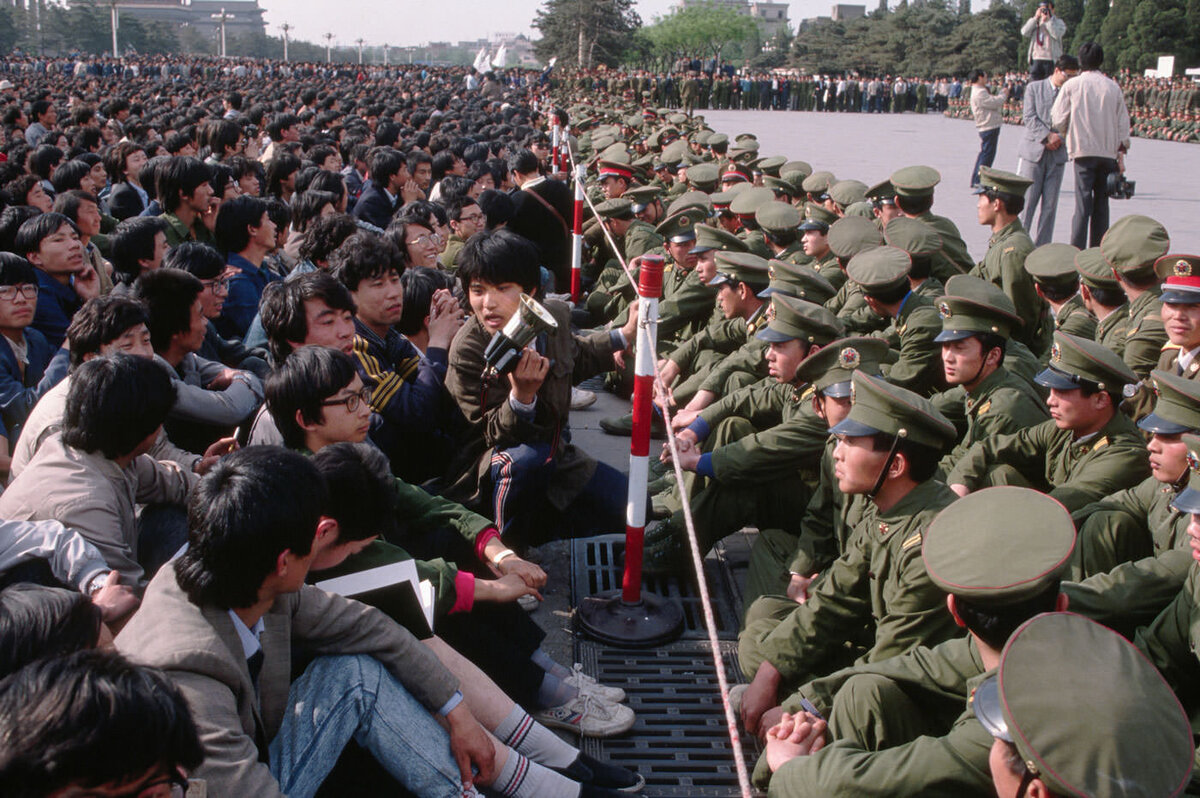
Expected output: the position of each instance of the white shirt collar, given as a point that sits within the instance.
(249, 635)
(1186, 358)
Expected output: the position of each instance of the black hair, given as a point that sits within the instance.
(300, 384)
(454, 209)
(780, 238)
(16, 191)
(220, 135)
(15, 270)
(69, 175)
(1067, 63)
(914, 206)
(116, 158)
(922, 460)
(420, 283)
(331, 182)
(325, 234)
(68, 202)
(308, 205)
(131, 242)
(1060, 292)
(91, 718)
(45, 157)
(254, 505)
(497, 206)
(1109, 297)
(523, 161)
(234, 220)
(101, 321)
(169, 295)
(114, 403)
(280, 123)
(497, 257)
(364, 256)
(38, 621)
(279, 168)
(994, 625)
(177, 178)
(197, 259)
(11, 220)
(37, 229)
(1013, 205)
(282, 308)
(976, 74)
(889, 296)
(362, 490)
(1091, 56)
(384, 163)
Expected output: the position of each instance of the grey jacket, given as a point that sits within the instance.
(47, 417)
(199, 649)
(194, 402)
(72, 560)
(96, 496)
(1035, 115)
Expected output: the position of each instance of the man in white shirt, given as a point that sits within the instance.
(1090, 114)
(1045, 32)
(988, 110)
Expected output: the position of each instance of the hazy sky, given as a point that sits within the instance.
(398, 24)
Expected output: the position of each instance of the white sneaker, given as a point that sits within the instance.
(581, 398)
(588, 715)
(586, 684)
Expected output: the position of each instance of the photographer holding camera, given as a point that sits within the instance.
(1046, 40)
(1090, 114)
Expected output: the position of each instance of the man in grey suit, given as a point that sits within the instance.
(1042, 151)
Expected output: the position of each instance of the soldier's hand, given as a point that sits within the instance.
(668, 370)
(961, 490)
(797, 589)
(760, 696)
(683, 419)
(793, 736)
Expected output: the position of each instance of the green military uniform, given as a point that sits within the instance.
(918, 182)
(1095, 273)
(1042, 702)
(745, 205)
(922, 243)
(899, 726)
(820, 219)
(877, 592)
(1001, 403)
(781, 220)
(1133, 546)
(1004, 263)
(848, 237)
(828, 518)
(1181, 287)
(1052, 267)
(761, 459)
(178, 233)
(613, 291)
(1049, 458)
(883, 272)
(1131, 247)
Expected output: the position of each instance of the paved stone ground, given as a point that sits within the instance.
(869, 147)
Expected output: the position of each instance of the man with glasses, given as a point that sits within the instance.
(1042, 151)
(29, 365)
(466, 219)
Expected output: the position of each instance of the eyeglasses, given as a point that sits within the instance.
(350, 402)
(474, 217)
(426, 240)
(218, 285)
(9, 292)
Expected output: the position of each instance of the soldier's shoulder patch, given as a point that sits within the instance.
(1009, 249)
(1101, 443)
(983, 408)
(1168, 346)
(1131, 332)
(912, 540)
(807, 393)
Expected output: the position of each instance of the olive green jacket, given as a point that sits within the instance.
(1074, 473)
(954, 257)
(1002, 404)
(919, 368)
(879, 583)
(1004, 266)
(1110, 331)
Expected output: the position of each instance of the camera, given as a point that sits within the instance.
(1119, 187)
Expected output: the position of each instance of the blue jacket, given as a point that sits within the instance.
(56, 305)
(245, 290)
(47, 367)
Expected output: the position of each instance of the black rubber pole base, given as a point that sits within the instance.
(652, 621)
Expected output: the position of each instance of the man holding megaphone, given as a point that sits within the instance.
(512, 366)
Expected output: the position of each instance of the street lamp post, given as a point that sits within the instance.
(285, 28)
(221, 19)
(328, 48)
(113, 5)
(359, 42)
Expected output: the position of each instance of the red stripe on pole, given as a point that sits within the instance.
(631, 582)
(643, 412)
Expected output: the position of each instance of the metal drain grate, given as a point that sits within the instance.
(680, 743)
(596, 568)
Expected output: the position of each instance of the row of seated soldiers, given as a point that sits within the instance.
(934, 450)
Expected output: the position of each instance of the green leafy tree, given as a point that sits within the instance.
(8, 30)
(1159, 28)
(704, 31)
(585, 33)
(1094, 12)
(1114, 34)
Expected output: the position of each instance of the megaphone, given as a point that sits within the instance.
(504, 350)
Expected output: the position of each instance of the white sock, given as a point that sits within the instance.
(521, 778)
(523, 733)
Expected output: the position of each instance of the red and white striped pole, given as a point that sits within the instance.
(554, 142)
(577, 237)
(649, 289)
